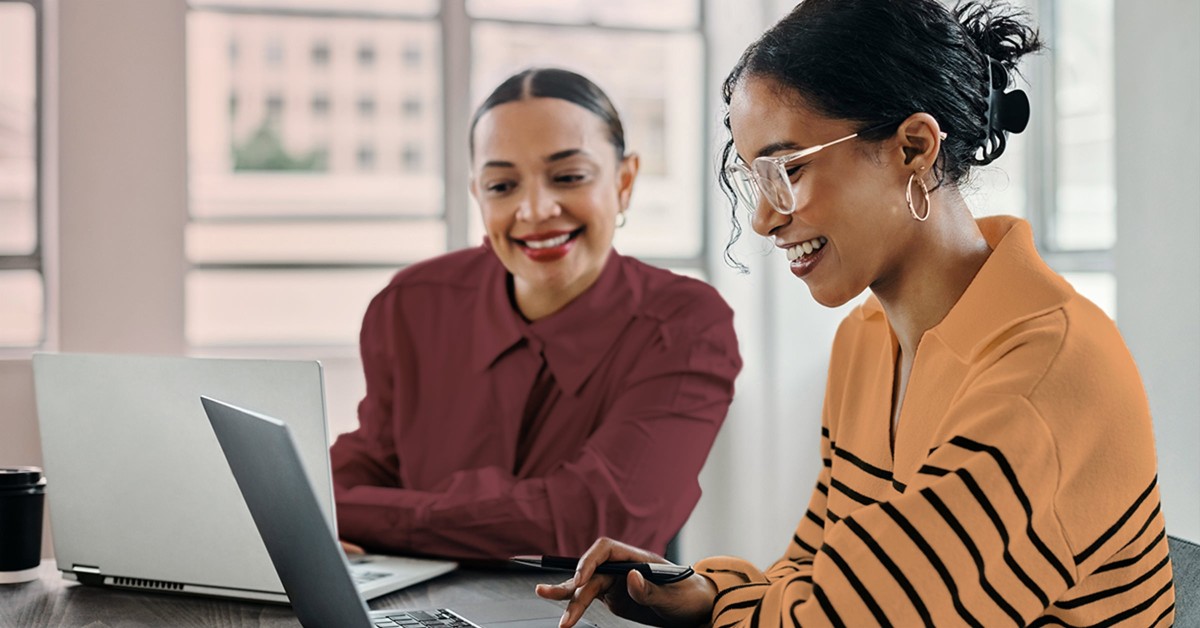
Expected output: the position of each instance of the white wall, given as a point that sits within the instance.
(1158, 228)
(122, 175)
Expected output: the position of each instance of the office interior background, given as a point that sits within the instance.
(237, 178)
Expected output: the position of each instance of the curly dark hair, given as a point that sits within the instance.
(876, 62)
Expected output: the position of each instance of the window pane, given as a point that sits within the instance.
(308, 136)
(661, 106)
(18, 135)
(1083, 54)
(639, 13)
(1099, 288)
(279, 129)
(21, 310)
(286, 307)
(300, 242)
(387, 7)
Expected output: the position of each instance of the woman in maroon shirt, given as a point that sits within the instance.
(541, 390)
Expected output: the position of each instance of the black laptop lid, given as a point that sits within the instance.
(307, 557)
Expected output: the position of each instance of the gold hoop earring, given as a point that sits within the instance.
(908, 197)
(620, 219)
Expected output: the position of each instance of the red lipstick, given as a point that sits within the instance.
(547, 246)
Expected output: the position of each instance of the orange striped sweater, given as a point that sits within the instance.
(1022, 488)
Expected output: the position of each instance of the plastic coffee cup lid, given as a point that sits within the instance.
(14, 477)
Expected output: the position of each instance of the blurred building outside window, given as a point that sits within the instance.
(299, 214)
(297, 217)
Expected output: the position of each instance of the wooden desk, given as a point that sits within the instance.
(53, 602)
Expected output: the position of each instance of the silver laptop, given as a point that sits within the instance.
(141, 495)
(265, 461)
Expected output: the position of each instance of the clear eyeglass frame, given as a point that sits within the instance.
(768, 176)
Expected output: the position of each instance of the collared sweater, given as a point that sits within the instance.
(1021, 488)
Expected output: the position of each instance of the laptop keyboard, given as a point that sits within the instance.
(440, 618)
(363, 576)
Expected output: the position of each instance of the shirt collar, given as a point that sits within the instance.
(573, 339)
(1013, 285)
(497, 326)
(578, 336)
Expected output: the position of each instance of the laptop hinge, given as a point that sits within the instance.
(88, 574)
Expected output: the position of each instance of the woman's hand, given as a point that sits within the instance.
(351, 549)
(685, 603)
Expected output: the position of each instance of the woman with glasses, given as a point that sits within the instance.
(987, 444)
(520, 393)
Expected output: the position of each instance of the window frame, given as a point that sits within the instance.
(218, 7)
(1041, 169)
(456, 27)
(34, 260)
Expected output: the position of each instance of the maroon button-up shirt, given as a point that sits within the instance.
(458, 453)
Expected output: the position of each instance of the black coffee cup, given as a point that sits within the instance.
(22, 495)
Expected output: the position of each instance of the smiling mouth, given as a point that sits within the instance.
(805, 248)
(543, 243)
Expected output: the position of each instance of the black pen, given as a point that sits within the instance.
(657, 573)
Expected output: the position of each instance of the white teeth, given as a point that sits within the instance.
(548, 244)
(805, 248)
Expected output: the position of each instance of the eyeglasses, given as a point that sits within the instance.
(768, 176)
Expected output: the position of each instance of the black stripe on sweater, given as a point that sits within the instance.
(1163, 615)
(1098, 596)
(1002, 530)
(745, 578)
(973, 550)
(1011, 475)
(1116, 527)
(851, 493)
(754, 617)
(893, 569)
(1047, 620)
(932, 470)
(1162, 534)
(859, 588)
(739, 587)
(827, 606)
(1140, 608)
(863, 465)
(933, 559)
(804, 546)
(1149, 520)
(733, 606)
